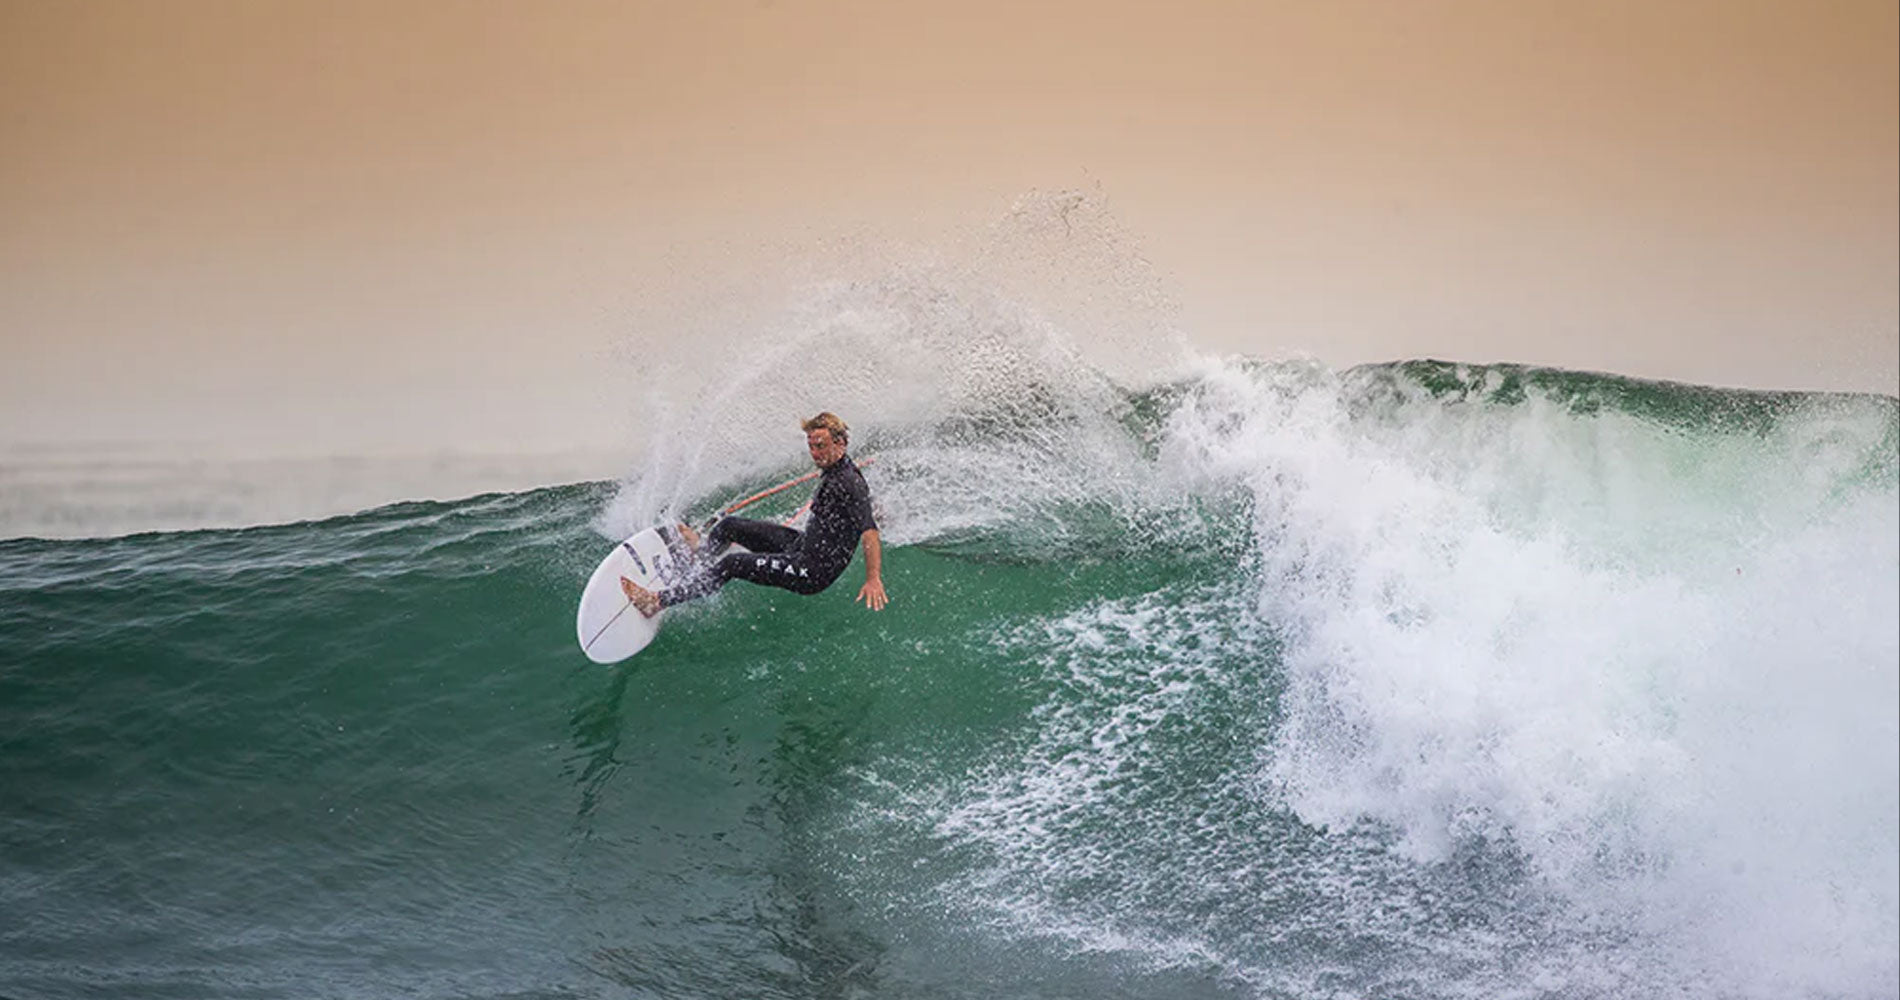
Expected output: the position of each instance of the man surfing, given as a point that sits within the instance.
(803, 562)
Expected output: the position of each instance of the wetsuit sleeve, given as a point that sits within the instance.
(861, 507)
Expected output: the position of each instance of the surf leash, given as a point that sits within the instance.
(739, 505)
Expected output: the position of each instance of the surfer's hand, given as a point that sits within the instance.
(872, 594)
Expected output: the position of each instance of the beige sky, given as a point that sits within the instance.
(342, 226)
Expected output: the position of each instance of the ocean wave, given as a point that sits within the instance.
(1261, 679)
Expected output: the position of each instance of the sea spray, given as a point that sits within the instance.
(992, 370)
(979, 413)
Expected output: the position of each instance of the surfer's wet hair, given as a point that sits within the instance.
(830, 422)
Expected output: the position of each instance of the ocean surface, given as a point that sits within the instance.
(1266, 681)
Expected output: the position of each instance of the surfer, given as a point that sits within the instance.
(803, 562)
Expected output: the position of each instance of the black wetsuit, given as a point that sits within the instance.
(803, 562)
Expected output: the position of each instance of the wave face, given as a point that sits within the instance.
(1414, 680)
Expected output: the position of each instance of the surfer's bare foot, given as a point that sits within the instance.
(691, 536)
(646, 600)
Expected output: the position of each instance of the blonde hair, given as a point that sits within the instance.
(830, 422)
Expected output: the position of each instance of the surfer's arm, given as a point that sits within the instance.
(872, 593)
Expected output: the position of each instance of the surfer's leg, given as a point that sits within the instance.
(793, 573)
(764, 564)
(704, 579)
(786, 572)
(758, 536)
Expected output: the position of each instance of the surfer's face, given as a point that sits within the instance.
(824, 450)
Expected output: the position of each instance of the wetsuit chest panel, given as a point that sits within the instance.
(840, 513)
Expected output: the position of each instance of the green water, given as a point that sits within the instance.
(363, 757)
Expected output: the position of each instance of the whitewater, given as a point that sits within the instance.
(1235, 678)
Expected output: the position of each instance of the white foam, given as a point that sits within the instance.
(1677, 696)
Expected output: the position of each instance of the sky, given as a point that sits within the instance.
(281, 227)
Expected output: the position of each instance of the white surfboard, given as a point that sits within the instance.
(610, 628)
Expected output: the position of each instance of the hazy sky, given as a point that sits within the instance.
(321, 226)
